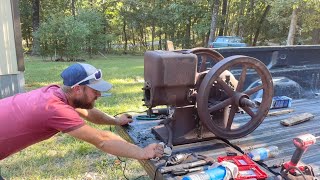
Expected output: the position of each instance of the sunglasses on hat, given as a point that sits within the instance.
(96, 76)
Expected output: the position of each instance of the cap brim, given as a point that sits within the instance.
(100, 85)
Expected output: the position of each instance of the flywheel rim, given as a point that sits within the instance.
(213, 75)
(215, 55)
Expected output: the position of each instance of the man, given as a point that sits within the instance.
(31, 117)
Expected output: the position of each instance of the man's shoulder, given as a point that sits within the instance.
(54, 93)
(51, 87)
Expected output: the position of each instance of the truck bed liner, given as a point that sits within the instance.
(270, 132)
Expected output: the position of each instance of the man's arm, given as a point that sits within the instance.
(95, 116)
(114, 144)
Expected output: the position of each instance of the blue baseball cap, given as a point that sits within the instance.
(85, 74)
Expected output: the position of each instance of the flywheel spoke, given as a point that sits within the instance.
(225, 87)
(242, 79)
(249, 111)
(253, 90)
(207, 56)
(232, 113)
(220, 105)
(203, 63)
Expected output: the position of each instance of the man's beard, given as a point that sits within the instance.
(81, 103)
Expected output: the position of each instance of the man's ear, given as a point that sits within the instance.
(77, 89)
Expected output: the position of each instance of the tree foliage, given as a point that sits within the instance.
(62, 36)
(129, 26)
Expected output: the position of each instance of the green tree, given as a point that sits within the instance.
(129, 26)
(35, 25)
(63, 37)
(96, 37)
(26, 25)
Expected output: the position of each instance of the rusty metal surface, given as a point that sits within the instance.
(270, 132)
(206, 58)
(168, 77)
(215, 95)
(184, 128)
(212, 111)
(297, 63)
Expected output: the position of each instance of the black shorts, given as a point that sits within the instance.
(1, 178)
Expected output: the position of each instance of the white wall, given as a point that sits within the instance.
(8, 58)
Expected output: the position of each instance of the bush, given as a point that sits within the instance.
(68, 37)
(96, 38)
(62, 36)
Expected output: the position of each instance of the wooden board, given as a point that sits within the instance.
(297, 119)
(280, 112)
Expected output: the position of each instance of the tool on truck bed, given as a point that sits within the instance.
(182, 162)
(204, 92)
(247, 169)
(293, 170)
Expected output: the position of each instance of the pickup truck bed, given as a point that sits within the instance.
(270, 132)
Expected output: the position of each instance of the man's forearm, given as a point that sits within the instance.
(97, 117)
(109, 142)
(119, 147)
(124, 149)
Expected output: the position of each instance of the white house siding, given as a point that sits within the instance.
(8, 58)
(11, 79)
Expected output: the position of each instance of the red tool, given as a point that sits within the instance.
(302, 143)
(247, 168)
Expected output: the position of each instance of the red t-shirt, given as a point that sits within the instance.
(31, 117)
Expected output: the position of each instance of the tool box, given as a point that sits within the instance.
(281, 102)
(277, 102)
(247, 168)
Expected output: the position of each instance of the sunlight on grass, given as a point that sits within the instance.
(62, 156)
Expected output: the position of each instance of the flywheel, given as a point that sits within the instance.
(224, 104)
(207, 58)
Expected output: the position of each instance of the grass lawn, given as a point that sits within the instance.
(62, 156)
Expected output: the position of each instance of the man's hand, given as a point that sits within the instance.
(153, 150)
(124, 119)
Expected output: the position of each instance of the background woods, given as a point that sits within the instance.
(69, 29)
(75, 29)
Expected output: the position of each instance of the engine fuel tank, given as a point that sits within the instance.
(168, 76)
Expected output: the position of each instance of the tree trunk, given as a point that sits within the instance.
(316, 36)
(160, 40)
(188, 33)
(141, 38)
(28, 38)
(153, 29)
(133, 37)
(125, 38)
(226, 23)
(224, 15)
(239, 26)
(251, 12)
(90, 48)
(35, 26)
(73, 9)
(193, 39)
(214, 18)
(165, 38)
(293, 25)
(145, 35)
(105, 24)
(263, 17)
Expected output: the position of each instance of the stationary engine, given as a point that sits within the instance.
(205, 94)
